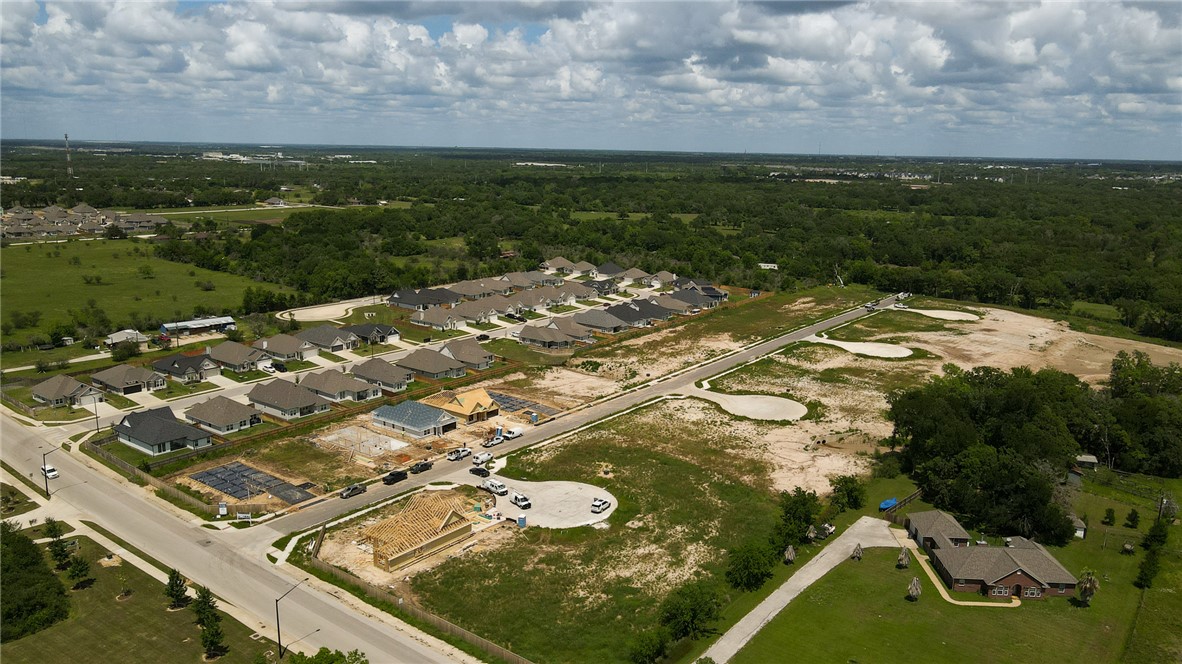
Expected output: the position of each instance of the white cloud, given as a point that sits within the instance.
(713, 72)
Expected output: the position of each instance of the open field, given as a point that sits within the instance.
(36, 275)
(136, 629)
(688, 487)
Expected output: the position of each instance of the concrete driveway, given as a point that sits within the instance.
(555, 504)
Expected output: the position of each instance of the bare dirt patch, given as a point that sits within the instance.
(654, 355)
(558, 387)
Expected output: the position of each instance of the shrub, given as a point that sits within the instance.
(649, 646)
(750, 566)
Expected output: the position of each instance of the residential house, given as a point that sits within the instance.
(432, 364)
(435, 318)
(546, 337)
(1022, 568)
(501, 305)
(126, 379)
(572, 329)
(430, 522)
(603, 287)
(424, 298)
(471, 353)
(652, 310)
(663, 279)
(1087, 461)
(63, 390)
(474, 311)
(470, 407)
(336, 386)
(694, 298)
(222, 415)
(238, 357)
(158, 431)
(415, 419)
(637, 276)
(286, 400)
(672, 304)
(583, 268)
(638, 313)
(329, 338)
(559, 264)
(557, 297)
(598, 319)
(703, 286)
(187, 368)
(389, 377)
(284, 347)
(530, 300)
(475, 289)
(124, 335)
(373, 333)
(610, 271)
(577, 291)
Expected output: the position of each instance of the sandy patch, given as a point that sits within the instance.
(756, 407)
(943, 314)
(870, 348)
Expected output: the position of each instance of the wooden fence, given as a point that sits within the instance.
(382, 595)
(95, 447)
(893, 513)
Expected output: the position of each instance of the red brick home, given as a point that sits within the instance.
(1021, 569)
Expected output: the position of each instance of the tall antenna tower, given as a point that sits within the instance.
(69, 167)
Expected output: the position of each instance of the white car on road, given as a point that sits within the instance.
(599, 505)
(49, 472)
(456, 455)
(482, 458)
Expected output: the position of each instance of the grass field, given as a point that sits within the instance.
(888, 326)
(329, 470)
(511, 349)
(579, 595)
(253, 374)
(175, 390)
(15, 502)
(102, 628)
(49, 279)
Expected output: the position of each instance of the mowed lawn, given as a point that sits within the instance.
(858, 612)
(45, 278)
(685, 495)
(139, 629)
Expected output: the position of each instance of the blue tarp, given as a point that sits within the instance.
(887, 504)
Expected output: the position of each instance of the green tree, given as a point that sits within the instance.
(78, 570)
(1133, 519)
(326, 656)
(750, 566)
(649, 646)
(57, 546)
(1150, 566)
(175, 589)
(206, 607)
(212, 639)
(125, 350)
(33, 596)
(1109, 517)
(798, 511)
(1087, 586)
(1157, 536)
(849, 493)
(689, 609)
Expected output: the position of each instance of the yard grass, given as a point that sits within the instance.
(119, 401)
(37, 275)
(15, 502)
(298, 457)
(1095, 310)
(519, 352)
(135, 457)
(38, 531)
(102, 628)
(175, 390)
(418, 333)
(245, 376)
(256, 429)
(484, 327)
(581, 594)
(299, 365)
(532, 315)
(562, 309)
(26, 480)
(331, 357)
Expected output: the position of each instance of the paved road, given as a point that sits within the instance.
(867, 531)
(678, 383)
(241, 577)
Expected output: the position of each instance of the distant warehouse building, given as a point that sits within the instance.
(199, 326)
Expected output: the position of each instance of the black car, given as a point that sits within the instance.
(278, 366)
(420, 467)
(479, 471)
(519, 319)
(394, 477)
(482, 337)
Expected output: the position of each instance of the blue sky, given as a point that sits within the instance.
(1058, 79)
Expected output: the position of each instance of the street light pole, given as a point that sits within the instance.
(44, 474)
(96, 417)
(278, 632)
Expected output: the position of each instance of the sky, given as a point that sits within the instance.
(1089, 80)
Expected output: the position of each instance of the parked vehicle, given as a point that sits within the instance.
(521, 501)
(515, 432)
(279, 366)
(268, 368)
(825, 530)
(482, 458)
(494, 487)
(599, 505)
(350, 491)
(869, 306)
(394, 477)
(479, 471)
(493, 442)
(49, 472)
(420, 467)
(482, 337)
(456, 455)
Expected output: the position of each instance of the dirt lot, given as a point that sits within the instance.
(853, 388)
(653, 355)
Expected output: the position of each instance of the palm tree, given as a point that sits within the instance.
(1087, 587)
(857, 555)
(790, 555)
(904, 558)
(914, 589)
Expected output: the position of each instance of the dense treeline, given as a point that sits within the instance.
(33, 598)
(994, 445)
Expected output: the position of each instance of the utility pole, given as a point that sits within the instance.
(44, 474)
(69, 167)
(278, 633)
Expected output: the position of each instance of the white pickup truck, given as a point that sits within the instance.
(494, 486)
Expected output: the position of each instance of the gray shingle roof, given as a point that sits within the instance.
(156, 426)
(583, 266)
(284, 395)
(280, 344)
(414, 415)
(425, 360)
(545, 335)
(232, 352)
(179, 364)
(599, 319)
(379, 370)
(371, 330)
(333, 382)
(125, 375)
(610, 269)
(220, 411)
(468, 351)
(325, 336)
(61, 386)
(993, 563)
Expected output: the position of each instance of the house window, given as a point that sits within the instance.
(1000, 591)
(1062, 587)
(960, 582)
(1032, 591)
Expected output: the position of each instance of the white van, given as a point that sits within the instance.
(493, 486)
(521, 501)
(515, 432)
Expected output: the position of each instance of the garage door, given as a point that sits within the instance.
(133, 389)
